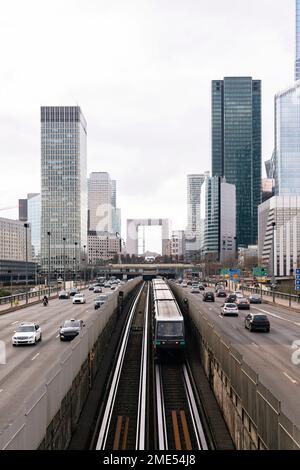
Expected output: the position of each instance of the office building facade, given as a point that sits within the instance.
(287, 141)
(178, 245)
(297, 65)
(279, 217)
(102, 247)
(193, 230)
(100, 193)
(34, 219)
(236, 147)
(63, 187)
(218, 220)
(13, 240)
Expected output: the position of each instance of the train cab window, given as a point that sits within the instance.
(172, 329)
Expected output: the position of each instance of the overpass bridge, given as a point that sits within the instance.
(148, 270)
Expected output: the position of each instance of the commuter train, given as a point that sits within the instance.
(168, 322)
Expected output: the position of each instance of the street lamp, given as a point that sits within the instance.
(84, 248)
(75, 267)
(64, 240)
(26, 251)
(120, 247)
(11, 291)
(49, 263)
(273, 260)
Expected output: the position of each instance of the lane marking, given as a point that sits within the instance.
(290, 378)
(57, 336)
(1, 390)
(255, 345)
(13, 323)
(34, 357)
(276, 316)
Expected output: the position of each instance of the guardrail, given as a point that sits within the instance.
(273, 295)
(14, 299)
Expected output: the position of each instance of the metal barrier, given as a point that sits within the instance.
(246, 403)
(290, 298)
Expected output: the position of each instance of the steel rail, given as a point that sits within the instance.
(102, 438)
(160, 408)
(141, 417)
(195, 417)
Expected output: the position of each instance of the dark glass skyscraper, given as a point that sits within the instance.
(236, 147)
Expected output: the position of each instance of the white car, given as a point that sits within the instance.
(27, 333)
(79, 299)
(230, 309)
(184, 284)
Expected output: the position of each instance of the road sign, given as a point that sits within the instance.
(297, 282)
(235, 275)
(297, 287)
(260, 272)
(298, 272)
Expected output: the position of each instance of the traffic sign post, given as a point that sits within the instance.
(297, 280)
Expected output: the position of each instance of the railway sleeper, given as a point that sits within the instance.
(121, 434)
(181, 433)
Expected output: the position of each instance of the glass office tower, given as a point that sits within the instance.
(297, 65)
(63, 187)
(236, 147)
(287, 141)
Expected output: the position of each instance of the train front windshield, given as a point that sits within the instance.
(169, 329)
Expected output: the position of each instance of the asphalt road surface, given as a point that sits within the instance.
(26, 365)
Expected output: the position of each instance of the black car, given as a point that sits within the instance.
(63, 295)
(208, 297)
(201, 287)
(257, 322)
(70, 329)
(221, 293)
(255, 299)
(73, 292)
(231, 299)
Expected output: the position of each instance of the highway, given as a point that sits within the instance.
(26, 365)
(269, 354)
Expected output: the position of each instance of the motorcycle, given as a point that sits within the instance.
(45, 302)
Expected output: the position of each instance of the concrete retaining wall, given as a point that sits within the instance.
(251, 411)
(51, 412)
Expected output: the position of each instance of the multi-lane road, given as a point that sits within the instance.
(26, 365)
(269, 354)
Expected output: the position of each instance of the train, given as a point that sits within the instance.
(168, 321)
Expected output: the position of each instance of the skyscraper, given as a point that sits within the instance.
(297, 64)
(236, 147)
(100, 192)
(218, 220)
(34, 218)
(287, 141)
(193, 231)
(64, 187)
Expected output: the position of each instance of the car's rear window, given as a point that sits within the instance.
(70, 324)
(260, 317)
(230, 305)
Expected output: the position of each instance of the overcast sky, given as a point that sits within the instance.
(141, 71)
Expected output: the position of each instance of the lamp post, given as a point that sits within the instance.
(49, 262)
(11, 291)
(120, 247)
(84, 248)
(273, 260)
(75, 267)
(64, 254)
(26, 251)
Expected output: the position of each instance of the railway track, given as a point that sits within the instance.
(123, 425)
(125, 421)
(179, 424)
